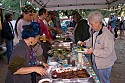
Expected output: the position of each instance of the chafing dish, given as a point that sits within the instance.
(62, 45)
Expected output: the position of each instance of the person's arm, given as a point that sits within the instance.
(113, 19)
(87, 43)
(53, 29)
(27, 70)
(17, 66)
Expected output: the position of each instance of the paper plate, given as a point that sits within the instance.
(45, 79)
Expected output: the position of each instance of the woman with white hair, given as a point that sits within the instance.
(101, 46)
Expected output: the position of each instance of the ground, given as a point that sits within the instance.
(117, 74)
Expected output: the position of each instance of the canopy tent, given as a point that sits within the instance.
(75, 4)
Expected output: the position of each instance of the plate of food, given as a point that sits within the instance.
(45, 80)
(53, 63)
(82, 50)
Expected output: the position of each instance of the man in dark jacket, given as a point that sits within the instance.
(81, 32)
(8, 34)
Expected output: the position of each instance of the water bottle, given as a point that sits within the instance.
(44, 38)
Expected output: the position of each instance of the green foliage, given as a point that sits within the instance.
(84, 12)
(13, 5)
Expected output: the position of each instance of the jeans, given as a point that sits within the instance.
(102, 74)
(9, 46)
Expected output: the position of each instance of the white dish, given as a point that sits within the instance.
(52, 63)
(82, 51)
(79, 42)
(46, 79)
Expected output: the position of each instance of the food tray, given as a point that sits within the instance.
(71, 80)
(70, 73)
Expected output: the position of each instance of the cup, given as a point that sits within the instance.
(68, 59)
(64, 62)
(73, 63)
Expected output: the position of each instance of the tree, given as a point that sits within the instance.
(12, 5)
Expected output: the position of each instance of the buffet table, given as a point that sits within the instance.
(64, 63)
(60, 59)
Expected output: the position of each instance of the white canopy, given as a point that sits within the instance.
(75, 4)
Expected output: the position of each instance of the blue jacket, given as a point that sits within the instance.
(113, 22)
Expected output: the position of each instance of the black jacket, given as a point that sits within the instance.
(7, 33)
(81, 32)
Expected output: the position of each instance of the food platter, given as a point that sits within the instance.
(67, 71)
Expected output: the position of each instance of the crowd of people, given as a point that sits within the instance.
(21, 57)
(114, 24)
(30, 28)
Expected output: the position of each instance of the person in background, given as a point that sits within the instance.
(101, 47)
(122, 27)
(117, 27)
(28, 15)
(48, 23)
(113, 25)
(23, 64)
(81, 31)
(74, 23)
(8, 34)
(43, 13)
(109, 24)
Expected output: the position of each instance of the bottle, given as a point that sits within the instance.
(73, 62)
(44, 37)
(68, 59)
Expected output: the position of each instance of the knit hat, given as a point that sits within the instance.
(28, 8)
(31, 30)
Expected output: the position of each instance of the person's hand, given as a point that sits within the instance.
(40, 71)
(89, 51)
(56, 30)
(51, 41)
(80, 43)
(45, 65)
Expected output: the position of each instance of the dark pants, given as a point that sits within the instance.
(46, 47)
(115, 31)
(9, 46)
